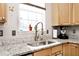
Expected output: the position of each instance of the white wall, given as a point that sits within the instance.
(49, 17)
(11, 22)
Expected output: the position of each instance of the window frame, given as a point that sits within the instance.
(33, 5)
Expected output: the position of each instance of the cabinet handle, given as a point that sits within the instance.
(0, 18)
(76, 46)
(3, 17)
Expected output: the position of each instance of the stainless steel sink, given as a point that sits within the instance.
(40, 43)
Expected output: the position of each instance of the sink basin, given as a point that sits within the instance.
(40, 43)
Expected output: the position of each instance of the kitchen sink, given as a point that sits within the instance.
(40, 43)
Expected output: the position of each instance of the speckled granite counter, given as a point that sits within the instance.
(13, 49)
(19, 49)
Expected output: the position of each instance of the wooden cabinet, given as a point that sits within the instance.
(61, 14)
(57, 50)
(54, 16)
(71, 49)
(64, 13)
(66, 49)
(2, 12)
(54, 51)
(74, 49)
(76, 13)
(45, 52)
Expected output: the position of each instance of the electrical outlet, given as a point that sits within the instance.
(1, 32)
(47, 31)
(74, 31)
(13, 32)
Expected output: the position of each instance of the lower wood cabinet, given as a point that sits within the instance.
(45, 52)
(52, 51)
(66, 49)
(57, 50)
(70, 49)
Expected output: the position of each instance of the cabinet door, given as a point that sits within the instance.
(66, 50)
(64, 13)
(58, 53)
(76, 13)
(45, 52)
(70, 50)
(52, 14)
(73, 49)
(56, 49)
(2, 12)
(78, 50)
(55, 16)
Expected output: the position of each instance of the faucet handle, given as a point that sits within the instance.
(41, 37)
(37, 36)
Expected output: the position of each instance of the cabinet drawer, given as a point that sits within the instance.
(56, 49)
(45, 52)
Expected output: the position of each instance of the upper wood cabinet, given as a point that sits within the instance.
(2, 12)
(54, 15)
(76, 13)
(51, 14)
(64, 14)
(61, 14)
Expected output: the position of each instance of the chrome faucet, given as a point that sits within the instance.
(36, 32)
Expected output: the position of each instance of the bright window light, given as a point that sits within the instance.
(30, 15)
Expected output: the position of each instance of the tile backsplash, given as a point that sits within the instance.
(73, 32)
(21, 37)
(12, 24)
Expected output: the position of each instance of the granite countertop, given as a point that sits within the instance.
(19, 49)
(11, 50)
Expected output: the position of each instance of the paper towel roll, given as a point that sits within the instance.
(54, 33)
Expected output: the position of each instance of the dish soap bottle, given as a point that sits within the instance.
(30, 27)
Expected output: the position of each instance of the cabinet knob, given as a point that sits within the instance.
(0, 18)
(3, 17)
(76, 46)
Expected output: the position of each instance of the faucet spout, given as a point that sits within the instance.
(37, 31)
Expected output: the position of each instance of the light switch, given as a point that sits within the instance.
(74, 31)
(47, 31)
(1, 32)
(13, 32)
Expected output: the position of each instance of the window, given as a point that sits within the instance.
(30, 14)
